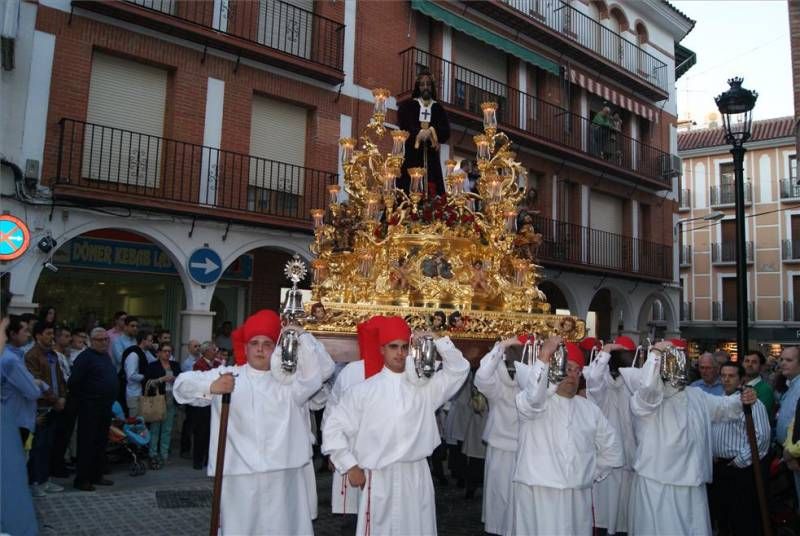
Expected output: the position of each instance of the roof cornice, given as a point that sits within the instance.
(725, 149)
(667, 16)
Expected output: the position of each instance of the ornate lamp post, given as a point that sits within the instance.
(736, 106)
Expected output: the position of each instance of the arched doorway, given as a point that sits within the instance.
(259, 286)
(106, 270)
(555, 297)
(598, 321)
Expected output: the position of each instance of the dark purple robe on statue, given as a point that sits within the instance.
(408, 119)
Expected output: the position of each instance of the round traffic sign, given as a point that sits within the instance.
(14, 237)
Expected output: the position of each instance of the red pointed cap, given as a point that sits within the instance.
(575, 354)
(588, 343)
(627, 342)
(264, 322)
(393, 328)
(680, 343)
(369, 347)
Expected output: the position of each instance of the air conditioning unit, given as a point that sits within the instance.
(670, 165)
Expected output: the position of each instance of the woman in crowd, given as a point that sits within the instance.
(162, 372)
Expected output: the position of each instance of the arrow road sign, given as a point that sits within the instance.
(205, 266)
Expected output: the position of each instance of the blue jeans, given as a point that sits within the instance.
(161, 432)
(39, 460)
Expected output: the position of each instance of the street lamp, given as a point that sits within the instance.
(711, 216)
(736, 106)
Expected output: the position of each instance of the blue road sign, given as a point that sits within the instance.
(205, 266)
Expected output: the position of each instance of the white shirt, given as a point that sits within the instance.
(268, 422)
(492, 379)
(730, 437)
(564, 443)
(673, 428)
(390, 418)
(613, 398)
(133, 387)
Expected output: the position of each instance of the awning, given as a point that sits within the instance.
(474, 30)
(617, 99)
(684, 60)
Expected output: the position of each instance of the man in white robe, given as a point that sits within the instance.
(673, 461)
(606, 386)
(496, 378)
(382, 430)
(344, 496)
(565, 444)
(263, 489)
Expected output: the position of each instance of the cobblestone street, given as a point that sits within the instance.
(176, 501)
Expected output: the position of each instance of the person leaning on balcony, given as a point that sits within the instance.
(601, 131)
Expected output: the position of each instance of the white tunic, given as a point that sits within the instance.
(344, 497)
(455, 425)
(612, 396)
(387, 426)
(673, 460)
(267, 442)
(492, 379)
(565, 444)
(326, 367)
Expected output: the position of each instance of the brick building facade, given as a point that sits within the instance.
(216, 122)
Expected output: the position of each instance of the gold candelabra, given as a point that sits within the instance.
(383, 250)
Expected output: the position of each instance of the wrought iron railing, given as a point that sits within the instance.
(789, 189)
(464, 89)
(725, 193)
(131, 165)
(590, 34)
(791, 250)
(271, 23)
(725, 252)
(726, 311)
(686, 200)
(576, 245)
(686, 311)
(686, 255)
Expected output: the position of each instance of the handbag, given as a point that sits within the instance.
(153, 408)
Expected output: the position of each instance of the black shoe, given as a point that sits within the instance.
(84, 486)
(104, 482)
(197, 466)
(186, 455)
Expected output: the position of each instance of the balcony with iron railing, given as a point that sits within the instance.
(113, 166)
(725, 194)
(789, 189)
(685, 256)
(268, 31)
(686, 312)
(790, 250)
(580, 37)
(574, 246)
(725, 252)
(791, 311)
(685, 200)
(725, 311)
(537, 122)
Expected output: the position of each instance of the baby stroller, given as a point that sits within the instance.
(129, 435)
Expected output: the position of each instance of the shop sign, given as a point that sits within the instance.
(135, 257)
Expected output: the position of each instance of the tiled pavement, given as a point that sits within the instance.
(147, 505)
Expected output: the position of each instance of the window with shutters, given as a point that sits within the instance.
(286, 26)
(278, 150)
(480, 75)
(125, 122)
